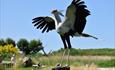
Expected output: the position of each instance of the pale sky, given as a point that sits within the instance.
(16, 22)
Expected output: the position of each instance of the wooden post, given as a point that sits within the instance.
(61, 68)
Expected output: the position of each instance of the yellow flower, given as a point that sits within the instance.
(8, 49)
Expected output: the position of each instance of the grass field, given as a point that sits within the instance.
(77, 61)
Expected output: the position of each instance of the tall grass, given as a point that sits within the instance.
(76, 62)
(79, 59)
(101, 52)
(2, 67)
(100, 61)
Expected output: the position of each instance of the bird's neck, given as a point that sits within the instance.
(57, 19)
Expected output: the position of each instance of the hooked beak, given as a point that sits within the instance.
(60, 13)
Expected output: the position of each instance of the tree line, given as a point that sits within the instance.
(27, 47)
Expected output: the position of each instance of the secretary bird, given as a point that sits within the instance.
(73, 24)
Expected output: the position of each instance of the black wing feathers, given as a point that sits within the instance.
(44, 23)
(81, 14)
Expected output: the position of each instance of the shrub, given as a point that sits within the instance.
(8, 50)
(22, 44)
(35, 46)
(10, 41)
(2, 42)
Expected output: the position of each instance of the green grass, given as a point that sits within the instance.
(100, 61)
(76, 62)
(50, 63)
(79, 57)
(109, 63)
(102, 51)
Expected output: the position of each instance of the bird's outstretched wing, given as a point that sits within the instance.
(44, 23)
(81, 14)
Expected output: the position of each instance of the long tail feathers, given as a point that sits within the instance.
(87, 35)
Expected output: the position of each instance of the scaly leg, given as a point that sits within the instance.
(68, 62)
(65, 47)
(68, 50)
(68, 42)
(64, 41)
(62, 58)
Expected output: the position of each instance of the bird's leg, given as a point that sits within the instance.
(62, 58)
(68, 50)
(68, 42)
(65, 47)
(64, 41)
(68, 62)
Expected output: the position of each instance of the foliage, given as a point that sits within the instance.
(2, 42)
(103, 51)
(8, 50)
(10, 41)
(35, 46)
(22, 44)
(7, 41)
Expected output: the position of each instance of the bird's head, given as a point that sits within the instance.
(54, 11)
(57, 12)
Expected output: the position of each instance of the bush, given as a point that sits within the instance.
(7, 41)
(8, 50)
(33, 46)
(22, 44)
(10, 41)
(2, 42)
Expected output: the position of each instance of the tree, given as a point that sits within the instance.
(22, 44)
(2, 42)
(35, 46)
(10, 41)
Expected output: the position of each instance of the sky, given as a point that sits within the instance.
(16, 22)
